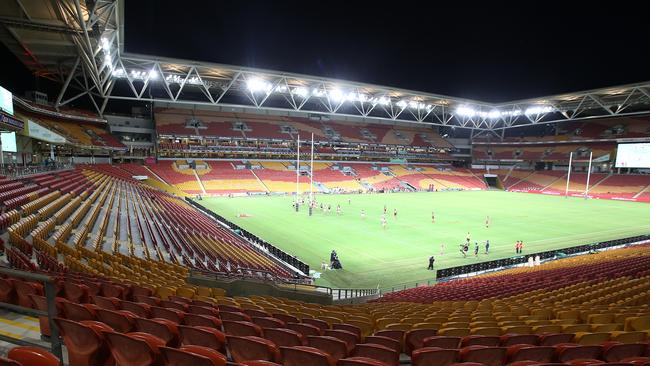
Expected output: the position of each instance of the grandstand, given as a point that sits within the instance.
(159, 211)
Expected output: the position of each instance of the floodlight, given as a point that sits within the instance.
(153, 74)
(318, 92)
(107, 59)
(106, 46)
(402, 104)
(256, 84)
(538, 109)
(465, 111)
(281, 88)
(336, 95)
(301, 91)
(384, 101)
(494, 114)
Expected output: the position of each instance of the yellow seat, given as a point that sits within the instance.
(598, 328)
(218, 292)
(381, 323)
(398, 326)
(517, 329)
(487, 331)
(627, 337)
(637, 323)
(539, 329)
(600, 318)
(185, 292)
(589, 339)
(426, 325)
(164, 292)
(575, 328)
(454, 332)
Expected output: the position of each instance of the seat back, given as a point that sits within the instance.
(33, 356)
(302, 356)
(377, 352)
(333, 346)
(252, 348)
(284, 337)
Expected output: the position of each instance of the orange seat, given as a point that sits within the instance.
(443, 342)
(268, 322)
(241, 328)
(108, 303)
(349, 338)
(121, 321)
(303, 355)
(377, 352)
(526, 352)
(568, 352)
(335, 347)
(173, 315)
(202, 336)
(480, 340)
(512, 339)
(397, 335)
(161, 328)
(305, 329)
(184, 357)
(79, 312)
(616, 351)
(202, 310)
(489, 356)
(85, 345)
(235, 316)
(128, 350)
(321, 324)
(138, 308)
(552, 339)
(283, 337)
(434, 356)
(252, 348)
(32, 356)
(360, 361)
(384, 341)
(75, 292)
(202, 320)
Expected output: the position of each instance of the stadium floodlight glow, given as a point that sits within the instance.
(153, 74)
(119, 73)
(356, 97)
(384, 101)
(465, 111)
(318, 92)
(137, 74)
(429, 107)
(538, 109)
(257, 85)
(402, 104)
(108, 60)
(281, 88)
(106, 46)
(300, 91)
(335, 95)
(494, 114)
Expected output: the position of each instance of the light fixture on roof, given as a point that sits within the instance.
(335, 95)
(153, 74)
(106, 46)
(465, 111)
(318, 92)
(256, 84)
(384, 101)
(402, 104)
(281, 88)
(540, 109)
(300, 91)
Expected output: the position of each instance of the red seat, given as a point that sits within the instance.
(305, 329)
(350, 328)
(149, 300)
(235, 316)
(259, 363)
(202, 320)
(413, 339)
(616, 351)
(7, 292)
(33, 356)
(161, 328)
(24, 289)
(284, 337)
(40, 303)
(254, 313)
(174, 305)
(286, 318)
(241, 328)
(526, 352)
(174, 315)
(377, 352)
(383, 341)
(202, 310)
(111, 290)
(75, 292)
(252, 348)
(108, 303)
(490, 356)
(229, 308)
(552, 339)
(85, 344)
(568, 352)
(348, 337)
(121, 321)
(185, 357)
(434, 356)
(303, 356)
(180, 299)
(138, 308)
(202, 336)
(637, 361)
(480, 340)
(359, 361)
(128, 350)
(78, 312)
(268, 322)
(512, 339)
(585, 362)
(321, 324)
(333, 346)
(442, 342)
(397, 335)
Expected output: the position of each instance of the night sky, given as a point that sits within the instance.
(494, 52)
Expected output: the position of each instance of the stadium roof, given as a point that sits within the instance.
(80, 44)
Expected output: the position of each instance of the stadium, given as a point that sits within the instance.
(169, 211)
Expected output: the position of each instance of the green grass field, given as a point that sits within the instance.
(372, 256)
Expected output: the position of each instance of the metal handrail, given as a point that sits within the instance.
(50, 294)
